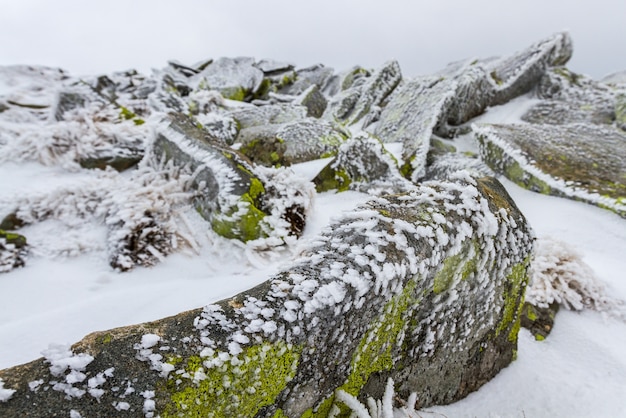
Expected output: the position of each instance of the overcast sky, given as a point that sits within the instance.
(92, 37)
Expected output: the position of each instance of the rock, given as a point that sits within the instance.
(539, 321)
(519, 73)
(425, 288)
(620, 112)
(11, 222)
(13, 251)
(314, 101)
(230, 195)
(363, 164)
(306, 77)
(411, 116)
(364, 93)
(269, 66)
(446, 165)
(290, 143)
(122, 161)
(251, 116)
(572, 98)
(222, 128)
(580, 162)
(234, 78)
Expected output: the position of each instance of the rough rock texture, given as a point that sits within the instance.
(232, 195)
(539, 321)
(425, 287)
(251, 116)
(578, 161)
(234, 78)
(363, 93)
(314, 101)
(363, 164)
(573, 98)
(463, 90)
(293, 142)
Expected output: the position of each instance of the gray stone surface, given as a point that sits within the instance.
(289, 143)
(425, 288)
(578, 161)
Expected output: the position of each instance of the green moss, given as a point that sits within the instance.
(375, 351)
(539, 337)
(12, 238)
(234, 390)
(460, 265)
(279, 414)
(105, 339)
(234, 93)
(514, 300)
(531, 314)
(331, 179)
(256, 188)
(138, 121)
(512, 169)
(244, 222)
(126, 114)
(407, 168)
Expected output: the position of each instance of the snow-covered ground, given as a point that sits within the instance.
(579, 371)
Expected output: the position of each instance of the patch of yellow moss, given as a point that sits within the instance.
(234, 390)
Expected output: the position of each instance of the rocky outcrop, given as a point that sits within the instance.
(234, 78)
(439, 103)
(581, 162)
(425, 288)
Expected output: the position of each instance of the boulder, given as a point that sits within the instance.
(363, 164)
(234, 78)
(572, 98)
(305, 78)
(463, 90)
(580, 162)
(232, 195)
(13, 250)
(425, 288)
(250, 116)
(290, 143)
(365, 94)
(411, 116)
(314, 101)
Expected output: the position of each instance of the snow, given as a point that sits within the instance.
(60, 296)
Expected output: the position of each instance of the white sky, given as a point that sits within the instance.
(88, 37)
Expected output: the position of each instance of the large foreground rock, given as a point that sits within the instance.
(578, 161)
(425, 288)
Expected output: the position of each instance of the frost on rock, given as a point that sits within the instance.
(250, 116)
(578, 161)
(231, 194)
(363, 164)
(568, 98)
(290, 143)
(424, 288)
(234, 78)
(364, 94)
(411, 116)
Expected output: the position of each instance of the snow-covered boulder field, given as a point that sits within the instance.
(420, 290)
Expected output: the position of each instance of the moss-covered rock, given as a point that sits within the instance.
(424, 287)
(289, 143)
(362, 164)
(235, 78)
(539, 321)
(314, 101)
(580, 162)
(229, 193)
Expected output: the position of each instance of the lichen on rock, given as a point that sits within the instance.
(578, 161)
